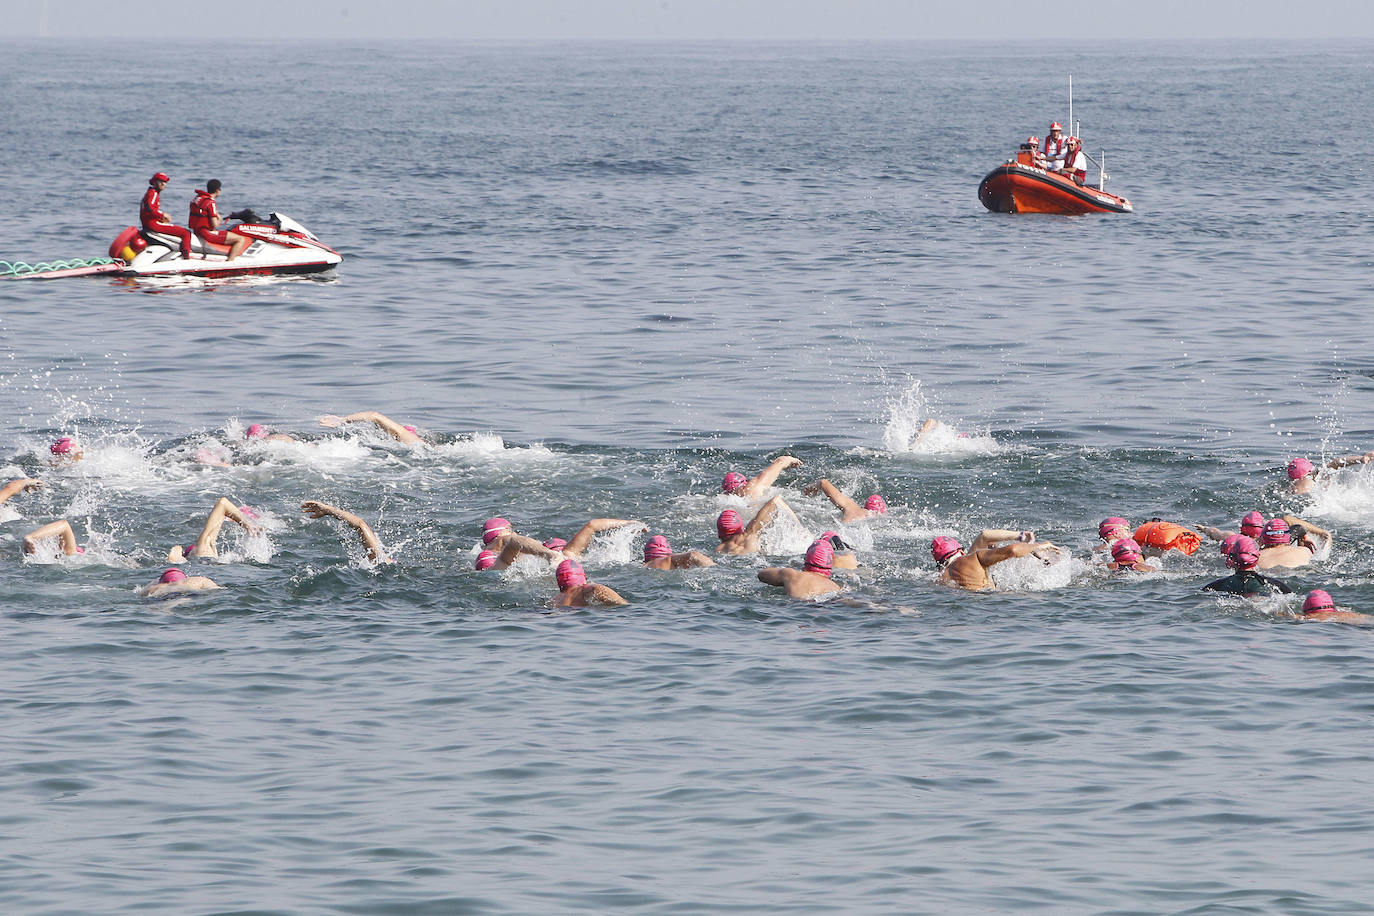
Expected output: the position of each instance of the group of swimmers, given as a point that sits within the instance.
(1259, 544)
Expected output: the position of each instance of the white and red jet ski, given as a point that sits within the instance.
(280, 246)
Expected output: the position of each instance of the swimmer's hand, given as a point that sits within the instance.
(1027, 537)
(318, 510)
(791, 461)
(331, 420)
(1049, 553)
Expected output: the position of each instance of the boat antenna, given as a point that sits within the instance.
(1071, 102)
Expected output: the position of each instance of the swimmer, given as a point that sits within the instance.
(738, 538)
(736, 484)
(1304, 474)
(843, 554)
(405, 435)
(575, 591)
(258, 431)
(1111, 530)
(1289, 542)
(500, 539)
(1251, 525)
(60, 529)
(1319, 606)
(207, 545)
(970, 570)
(849, 509)
(375, 553)
(658, 554)
(486, 559)
(15, 487)
(175, 582)
(1245, 582)
(65, 451)
(1126, 555)
(812, 580)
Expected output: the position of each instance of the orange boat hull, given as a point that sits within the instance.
(1019, 188)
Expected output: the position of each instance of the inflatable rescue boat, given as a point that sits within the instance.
(1023, 186)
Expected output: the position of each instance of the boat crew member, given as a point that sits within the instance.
(205, 221)
(154, 220)
(1075, 161)
(1056, 148)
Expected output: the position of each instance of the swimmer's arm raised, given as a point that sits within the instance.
(516, 544)
(583, 539)
(765, 478)
(207, 545)
(1311, 528)
(1347, 460)
(369, 538)
(381, 421)
(832, 492)
(15, 487)
(927, 428)
(989, 536)
(59, 529)
(690, 559)
(766, 513)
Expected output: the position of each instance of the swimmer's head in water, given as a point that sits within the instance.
(1299, 468)
(555, 543)
(1244, 553)
(729, 523)
(64, 446)
(570, 574)
(656, 547)
(1126, 551)
(172, 575)
(1318, 600)
(820, 557)
(834, 539)
(410, 429)
(255, 431)
(1275, 533)
(945, 548)
(1114, 528)
(493, 528)
(1252, 524)
(1230, 541)
(733, 481)
(876, 504)
(485, 560)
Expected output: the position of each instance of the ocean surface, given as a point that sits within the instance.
(596, 277)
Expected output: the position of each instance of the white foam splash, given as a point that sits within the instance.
(909, 411)
(1345, 496)
(1031, 574)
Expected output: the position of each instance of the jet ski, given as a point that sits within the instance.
(280, 245)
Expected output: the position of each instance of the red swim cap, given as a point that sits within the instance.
(256, 431)
(944, 548)
(1299, 468)
(1275, 533)
(1244, 553)
(820, 557)
(569, 574)
(1252, 524)
(493, 528)
(1318, 600)
(733, 481)
(1126, 551)
(1110, 527)
(172, 575)
(1230, 541)
(729, 523)
(486, 559)
(63, 446)
(657, 546)
(876, 504)
(555, 543)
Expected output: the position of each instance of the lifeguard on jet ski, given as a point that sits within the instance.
(276, 245)
(1050, 179)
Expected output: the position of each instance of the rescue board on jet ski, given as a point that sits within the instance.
(1021, 186)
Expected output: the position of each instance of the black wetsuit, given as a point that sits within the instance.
(1249, 583)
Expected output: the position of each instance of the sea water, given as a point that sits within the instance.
(597, 277)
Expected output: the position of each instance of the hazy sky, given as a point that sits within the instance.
(693, 19)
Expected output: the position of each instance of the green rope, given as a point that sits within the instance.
(20, 269)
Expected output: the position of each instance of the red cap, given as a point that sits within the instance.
(160, 176)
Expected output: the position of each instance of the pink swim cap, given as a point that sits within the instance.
(249, 511)
(1318, 600)
(569, 574)
(256, 431)
(657, 546)
(1244, 553)
(1275, 533)
(172, 575)
(1230, 541)
(876, 504)
(63, 446)
(486, 559)
(944, 547)
(1252, 524)
(1126, 551)
(820, 557)
(1111, 526)
(555, 543)
(410, 429)
(493, 528)
(1299, 468)
(729, 523)
(733, 481)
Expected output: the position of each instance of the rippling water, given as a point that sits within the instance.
(598, 276)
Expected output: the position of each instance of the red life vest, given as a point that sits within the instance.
(150, 210)
(203, 212)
